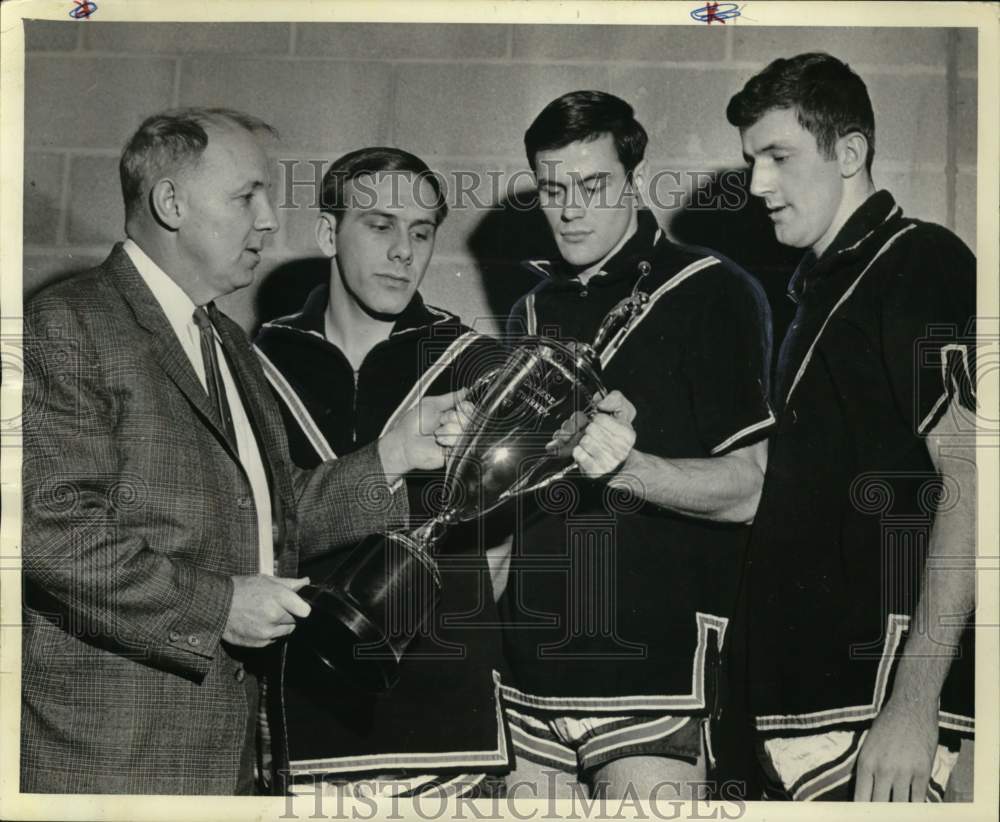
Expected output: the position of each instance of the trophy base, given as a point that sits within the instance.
(346, 641)
(366, 613)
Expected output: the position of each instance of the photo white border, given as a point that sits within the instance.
(754, 13)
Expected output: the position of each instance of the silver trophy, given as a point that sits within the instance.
(529, 415)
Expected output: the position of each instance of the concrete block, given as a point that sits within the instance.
(911, 117)
(610, 43)
(854, 45)
(484, 109)
(683, 110)
(43, 175)
(401, 41)
(51, 35)
(96, 213)
(92, 102)
(312, 103)
(244, 38)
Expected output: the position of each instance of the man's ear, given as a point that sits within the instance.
(326, 233)
(639, 180)
(852, 153)
(639, 175)
(167, 204)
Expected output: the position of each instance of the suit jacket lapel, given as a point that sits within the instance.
(167, 350)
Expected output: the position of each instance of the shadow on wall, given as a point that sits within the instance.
(723, 217)
(285, 288)
(512, 231)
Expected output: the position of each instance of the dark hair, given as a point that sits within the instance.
(583, 116)
(829, 99)
(171, 139)
(376, 160)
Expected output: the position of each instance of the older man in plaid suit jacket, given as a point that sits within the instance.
(154, 469)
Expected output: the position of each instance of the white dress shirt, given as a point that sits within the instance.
(179, 308)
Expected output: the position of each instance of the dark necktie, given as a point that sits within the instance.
(213, 374)
(205, 319)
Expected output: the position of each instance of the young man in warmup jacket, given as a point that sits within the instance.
(860, 670)
(621, 587)
(363, 349)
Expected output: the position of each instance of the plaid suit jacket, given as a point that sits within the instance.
(136, 514)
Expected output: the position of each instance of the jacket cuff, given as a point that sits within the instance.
(381, 496)
(191, 642)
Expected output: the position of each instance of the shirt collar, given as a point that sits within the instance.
(869, 216)
(174, 301)
(417, 315)
(622, 265)
(312, 317)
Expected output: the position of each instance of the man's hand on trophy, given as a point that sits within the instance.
(453, 422)
(263, 609)
(609, 438)
(411, 443)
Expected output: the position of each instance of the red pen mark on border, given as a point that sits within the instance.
(716, 12)
(83, 10)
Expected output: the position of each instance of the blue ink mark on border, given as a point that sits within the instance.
(83, 10)
(716, 12)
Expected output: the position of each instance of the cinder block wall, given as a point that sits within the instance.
(461, 96)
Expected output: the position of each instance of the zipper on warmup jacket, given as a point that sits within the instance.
(354, 409)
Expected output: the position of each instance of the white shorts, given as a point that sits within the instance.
(821, 766)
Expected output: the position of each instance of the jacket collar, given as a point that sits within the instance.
(849, 243)
(147, 310)
(416, 316)
(623, 266)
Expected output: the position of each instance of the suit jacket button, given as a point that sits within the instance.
(244, 502)
(174, 636)
(193, 640)
(240, 674)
